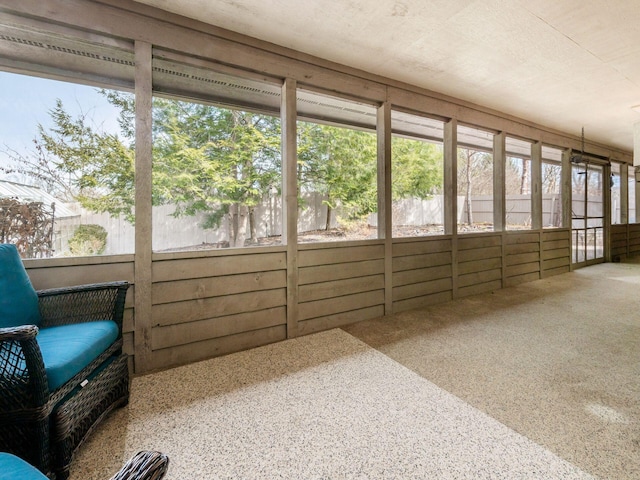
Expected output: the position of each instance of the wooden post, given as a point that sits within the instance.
(143, 230)
(450, 157)
(536, 186)
(566, 188)
(383, 129)
(636, 199)
(499, 199)
(288, 115)
(624, 193)
(606, 212)
(499, 196)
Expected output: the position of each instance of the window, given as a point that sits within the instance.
(66, 149)
(475, 179)
(632, 195)
(216, 179)
(517, 184)
(615, 194)
(417, 182)
(337, 169)
(551, 187)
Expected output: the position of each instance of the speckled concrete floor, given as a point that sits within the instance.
(557, 360)
(325, 406)
(534, 382)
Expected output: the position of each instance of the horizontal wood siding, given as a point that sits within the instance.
(522, 258)
(479, 264)
(212, 305)
(339, 284)
(556, 252)
(634, 239)
(619, 241)
(422, 273)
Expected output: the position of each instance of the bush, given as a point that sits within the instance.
(88, 240)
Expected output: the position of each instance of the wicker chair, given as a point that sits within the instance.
(54, 389)
(144, 465)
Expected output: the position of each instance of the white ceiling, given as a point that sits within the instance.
(564, 64)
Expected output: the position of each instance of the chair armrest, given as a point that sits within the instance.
(25, 387)
(83, 303)
(144, 466)
(18, 334)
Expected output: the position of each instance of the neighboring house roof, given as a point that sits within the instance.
(27, 193)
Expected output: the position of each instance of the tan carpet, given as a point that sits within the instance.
(325, 406)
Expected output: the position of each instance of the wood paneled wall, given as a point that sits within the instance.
(556, 252)
(339, 284)
(209, 303)
(422, 273)
(625, 241)
(199, 304)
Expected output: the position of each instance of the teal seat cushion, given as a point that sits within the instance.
(18, 299)
(67, 349)
(13, 468)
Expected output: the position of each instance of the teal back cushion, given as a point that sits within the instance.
(18, 299)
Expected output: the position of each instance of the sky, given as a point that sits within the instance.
(25, 101)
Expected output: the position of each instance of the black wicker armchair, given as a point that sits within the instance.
(60, 378)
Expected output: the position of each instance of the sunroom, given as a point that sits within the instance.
(253, 194)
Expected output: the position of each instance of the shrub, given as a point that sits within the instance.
(88, 240)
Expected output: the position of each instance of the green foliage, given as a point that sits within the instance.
(417, 169)
(220, 161)
(207, 158)
(88, 239)
(99, 166)
(340, 163)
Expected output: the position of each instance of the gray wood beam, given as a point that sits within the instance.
(566, 188)
(624, 193)
(536, 186)
(499, 199)
(143, 229)
(288, 115)
(383, 129)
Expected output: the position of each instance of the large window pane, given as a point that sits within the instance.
(518, 184)
(632, 195)
(615, 194)
(416, 175)
(595, 212)
(67, 161)
(337, 169)
(551, 187)
(66, 168)
(216, 159)
(475, 179)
